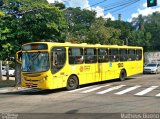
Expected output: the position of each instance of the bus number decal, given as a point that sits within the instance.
(120, 65)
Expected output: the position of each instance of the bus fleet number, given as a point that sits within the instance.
(120, 65)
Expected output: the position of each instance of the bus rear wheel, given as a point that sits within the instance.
(72, 83)
(123, 75)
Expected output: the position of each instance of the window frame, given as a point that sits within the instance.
(90, 59)
(131, 56)
(123, 56)
(113, 56)
(77, 59)
(139, 57)
(102, 58)
(55, 68)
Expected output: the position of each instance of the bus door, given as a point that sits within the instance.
(58, 60)
(113, 71)
(131, 61)
(90, 67)
(76, 61)
(103, 64)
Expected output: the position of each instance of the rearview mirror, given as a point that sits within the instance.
(19, 57)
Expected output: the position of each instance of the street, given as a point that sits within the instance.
(137, 94)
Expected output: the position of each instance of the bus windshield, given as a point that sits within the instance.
(35, 61)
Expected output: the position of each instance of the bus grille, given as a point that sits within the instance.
(31, 80)
(30, 85)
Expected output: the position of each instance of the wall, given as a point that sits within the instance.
(151, 57)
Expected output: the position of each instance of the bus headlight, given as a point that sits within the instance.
(43, 79)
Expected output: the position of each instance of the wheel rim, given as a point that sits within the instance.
(71, 83)
(123, 75)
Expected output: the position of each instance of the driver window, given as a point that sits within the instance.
(58, 58)
(54, 58)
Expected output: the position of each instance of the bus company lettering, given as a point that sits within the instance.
(120, 65)
(85, 68)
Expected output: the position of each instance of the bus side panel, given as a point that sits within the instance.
(74, 70)
(89, 71)
(110, 71)
(105, 72)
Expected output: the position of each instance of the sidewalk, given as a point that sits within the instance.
(7, 85)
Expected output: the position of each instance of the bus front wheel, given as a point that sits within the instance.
(72, 83)
(122, 75)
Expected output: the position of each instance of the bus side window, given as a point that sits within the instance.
(90, 55)
(123, 54)
(103, 55)
(113, 55)
(138, 54)
(131, 54)
(75, 55)
(58, 58)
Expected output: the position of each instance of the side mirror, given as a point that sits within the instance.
(19, 57)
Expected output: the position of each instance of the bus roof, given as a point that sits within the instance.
(69, 44)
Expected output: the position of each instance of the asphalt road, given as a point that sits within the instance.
(137, 94)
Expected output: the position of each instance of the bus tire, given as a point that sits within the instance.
(72, 82)
(122, 75)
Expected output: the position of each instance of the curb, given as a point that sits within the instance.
(11, 89)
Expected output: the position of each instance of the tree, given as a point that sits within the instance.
(59, 5)
(150, 25)
(140, 38)
(79, 22)
(124, 27)
(28, 21)
(104, 35)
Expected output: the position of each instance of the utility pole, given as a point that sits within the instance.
(18, 74)
(120, 17)
(0, 70)
(7, 70)
(126, 41)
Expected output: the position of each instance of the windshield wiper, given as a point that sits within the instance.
(35, 56)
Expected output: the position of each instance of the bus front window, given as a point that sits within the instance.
(35, 61)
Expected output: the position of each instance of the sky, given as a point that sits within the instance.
(112, 8)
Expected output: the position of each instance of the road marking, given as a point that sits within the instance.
(158, 95)
(146, 90)
(110, 89)
(127, 90)
(96, 88)
(79, 89)
(3, 90)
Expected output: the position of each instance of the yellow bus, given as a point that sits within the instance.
(49, 65)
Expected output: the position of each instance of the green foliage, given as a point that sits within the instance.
(103, 35)
(79, 22)
(23, 21)
(28, 21)
(150, 25)
(140, 38)
(59, 5)
(124, 27)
